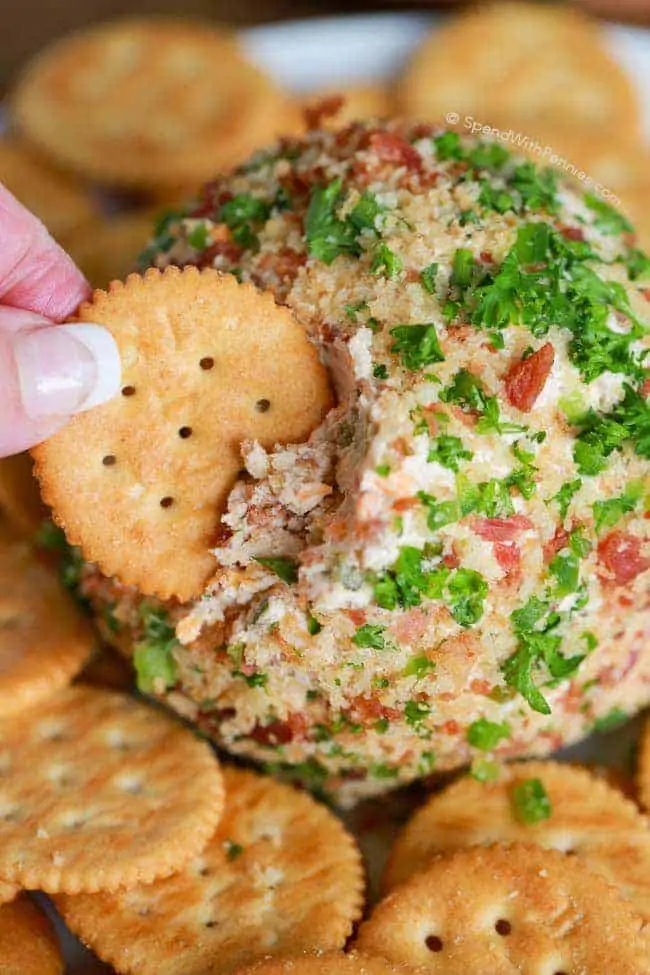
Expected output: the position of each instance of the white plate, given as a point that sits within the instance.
(305, 55)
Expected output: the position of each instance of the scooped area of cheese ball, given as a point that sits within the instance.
(456, 566)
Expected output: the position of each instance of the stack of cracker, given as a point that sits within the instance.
(160, 860)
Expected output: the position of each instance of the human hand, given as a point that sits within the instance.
(48, 372)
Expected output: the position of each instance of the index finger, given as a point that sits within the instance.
(36, 274)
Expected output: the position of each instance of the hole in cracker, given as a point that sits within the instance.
(263, 405)
(166, 502)
(503, 927)
(109, 460)
(433, 942)
(185, 432)
(209, 924)
(207, 362)
(128, 390)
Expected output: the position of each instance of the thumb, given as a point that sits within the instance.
(48, 373)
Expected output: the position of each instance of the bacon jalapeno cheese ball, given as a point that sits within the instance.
(456, 564)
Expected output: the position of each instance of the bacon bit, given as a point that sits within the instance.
(369, 709)
(450, 728)
(572, 233)
(509, 557)
(645, 388)
(392, 148)
(405, 504)
(411, 275)
(410, 627)
(486, 257)
(314, 115)
(559, 541)
(480, 686)
(224, 247)
(501, 529)
(356, 616)
(281, 732)
(451, 560)
(285, 263)
(424, 130)
(526, 378)
(620, 553)
(646, 294)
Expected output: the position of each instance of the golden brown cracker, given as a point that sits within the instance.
(140, 482)
(28, 944)
(507, 910)
(279, 876)
(332, 963)
(99, 791)
(519, 65)
(20, 499)
(588, 818)
(149, 103)
(44, 638)
(61, 203)
(108, 249)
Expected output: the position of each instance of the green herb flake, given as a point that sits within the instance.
(428, 278)
(608, 219)
(467, 591)
(613, 719)
(285, 568)
(415, 712)
(448, 451)
(530, 802)
(419, 667)
(417, 345)
(371, 635)
(486, 735)
(565, 495)
(153, 658)
(608, 513)
(386, 262)
(327, 235)
(380, 371)
(484, 771)
(313, 626)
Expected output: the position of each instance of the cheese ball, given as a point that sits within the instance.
(455, 567)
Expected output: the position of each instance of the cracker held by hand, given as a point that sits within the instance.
(508, 910)
(44, 638)
(279, 876)
(28, 944)
(99, 791)
(140, 482)
(584, 817)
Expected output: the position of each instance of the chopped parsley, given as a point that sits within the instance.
(164, 238)
(153, 656)
(416, 345)
(462, 268)
(608, 513)
(530, 802)
(428, 278)
(313, 626)
(448, 146)
(408, 583)
(608, 219)
(286, 569)
(534, 625)
(448, 451)
(495, 198)
(466, 390)
(386, 262)
(371, 635)
(484, 771)
(380, 371)
(199, 236)
(564, 496)
(415, 712)
(637, 263)
(486, 735)
(327, 235)
(419, 667)
(242, 215)
(258, 679)
(603, 433)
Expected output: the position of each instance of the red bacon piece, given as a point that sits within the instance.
(392, 148)
(501, 529)
(508, 556)
(281, 732)
(526, 378)
(620, 553)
